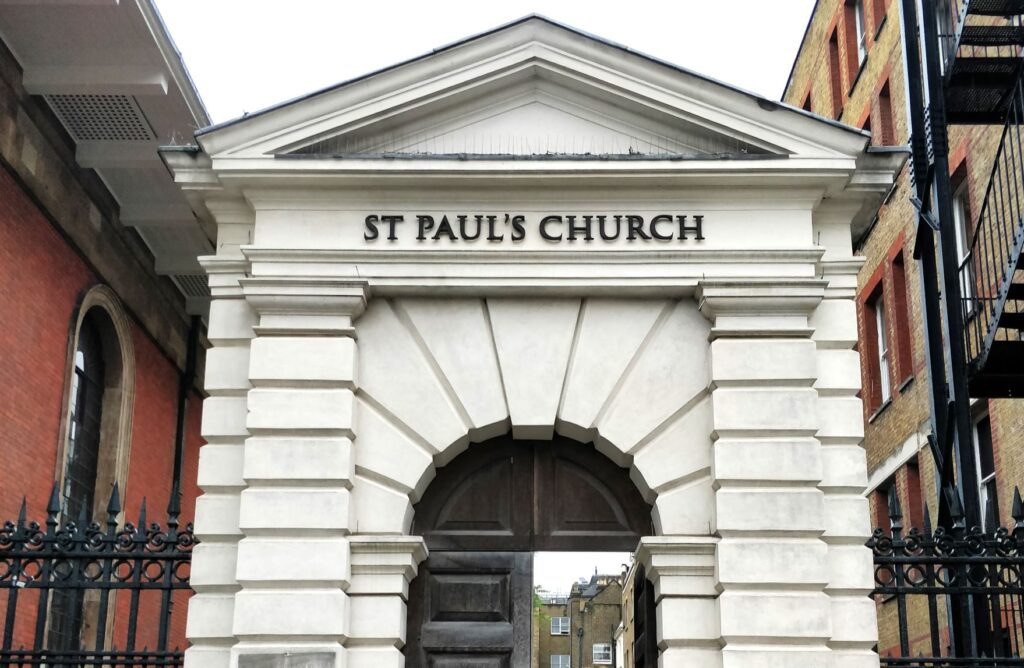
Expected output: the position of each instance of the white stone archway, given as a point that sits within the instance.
(632, 376)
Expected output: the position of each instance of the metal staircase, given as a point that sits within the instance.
(983, 73)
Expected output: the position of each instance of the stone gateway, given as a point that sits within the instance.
(528, 267)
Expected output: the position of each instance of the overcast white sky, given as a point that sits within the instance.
(245, 55)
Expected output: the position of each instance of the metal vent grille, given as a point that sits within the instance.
(102, 117)
(192, 285)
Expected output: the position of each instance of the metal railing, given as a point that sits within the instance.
(951, 31)
(958, 593)
(85, 595)
(987, 269)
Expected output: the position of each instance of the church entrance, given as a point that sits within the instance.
(482, 518)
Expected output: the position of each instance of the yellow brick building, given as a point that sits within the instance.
(850, 68)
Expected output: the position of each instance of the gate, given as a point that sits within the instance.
(950, 597)
(78, 594)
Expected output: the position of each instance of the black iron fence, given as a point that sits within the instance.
(950, 597)
(80, 594)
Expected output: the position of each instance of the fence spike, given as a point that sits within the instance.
(991, 519)
(927, 521)
(956, 509)
(142, 515)
(895, 512)
(22, 513)
(53, 507)
(114, 506)
(174, 504)
(1018, 509)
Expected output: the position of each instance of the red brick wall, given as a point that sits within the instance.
(41, 280)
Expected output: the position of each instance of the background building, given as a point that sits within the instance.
(850, 68)
(578, 630)
(99, 383)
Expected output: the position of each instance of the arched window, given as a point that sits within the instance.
(98, 409)
(84, 424)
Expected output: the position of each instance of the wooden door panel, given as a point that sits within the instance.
(471, 609)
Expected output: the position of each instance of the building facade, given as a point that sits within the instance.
(531, 291)
(850, 68)
(579, 629)
(95, 391)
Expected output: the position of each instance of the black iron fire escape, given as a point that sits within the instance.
(963, 65)
(983, 83)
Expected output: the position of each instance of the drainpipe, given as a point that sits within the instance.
(184, 385)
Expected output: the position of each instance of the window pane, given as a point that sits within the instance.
(983, 443)
(883, 349)
(559, 661)
(602, 653)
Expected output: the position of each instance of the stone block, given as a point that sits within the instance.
(844, 469)
(763, 362)
(227, 368)
(217, 516)
(224, 419)
(670, 372)
(230, 319)
(853, 620)
(838, 372)
(840, 419)
(280, 360)
(775, 616)
(379, 509)
(294, 409)
(686, 510)
(770, 510)
(286, 612)
(457, 336)
(835, 324)
(220, 467)
(378, 619)
(611, 332)
(209, 616)
(213, 565)
(765, 411)
(846, 515)
(533, 339)
(321, 459)
(768, 561)
(741, 460)
(678, 454)
(385, 450)
(375, 657)
(396, 373)
(851, 568)
(265, 560)
(274, 508)
(683, 621)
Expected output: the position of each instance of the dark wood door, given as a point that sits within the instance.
(482, 517)
(471, 610)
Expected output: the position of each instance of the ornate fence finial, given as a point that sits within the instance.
(1018, 510)
(927, 522)
(895, 512)
(53, 507)
(956, 510)
(22, 514)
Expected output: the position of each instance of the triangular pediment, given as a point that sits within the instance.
(536, 118)
(533, 89)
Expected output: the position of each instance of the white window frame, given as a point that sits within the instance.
(983, 482)
(882, 341)
(606, 653)
(862, 33)
(559, 661)
(559, 626)
(963, 241)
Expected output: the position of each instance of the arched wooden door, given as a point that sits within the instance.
(482, 517)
